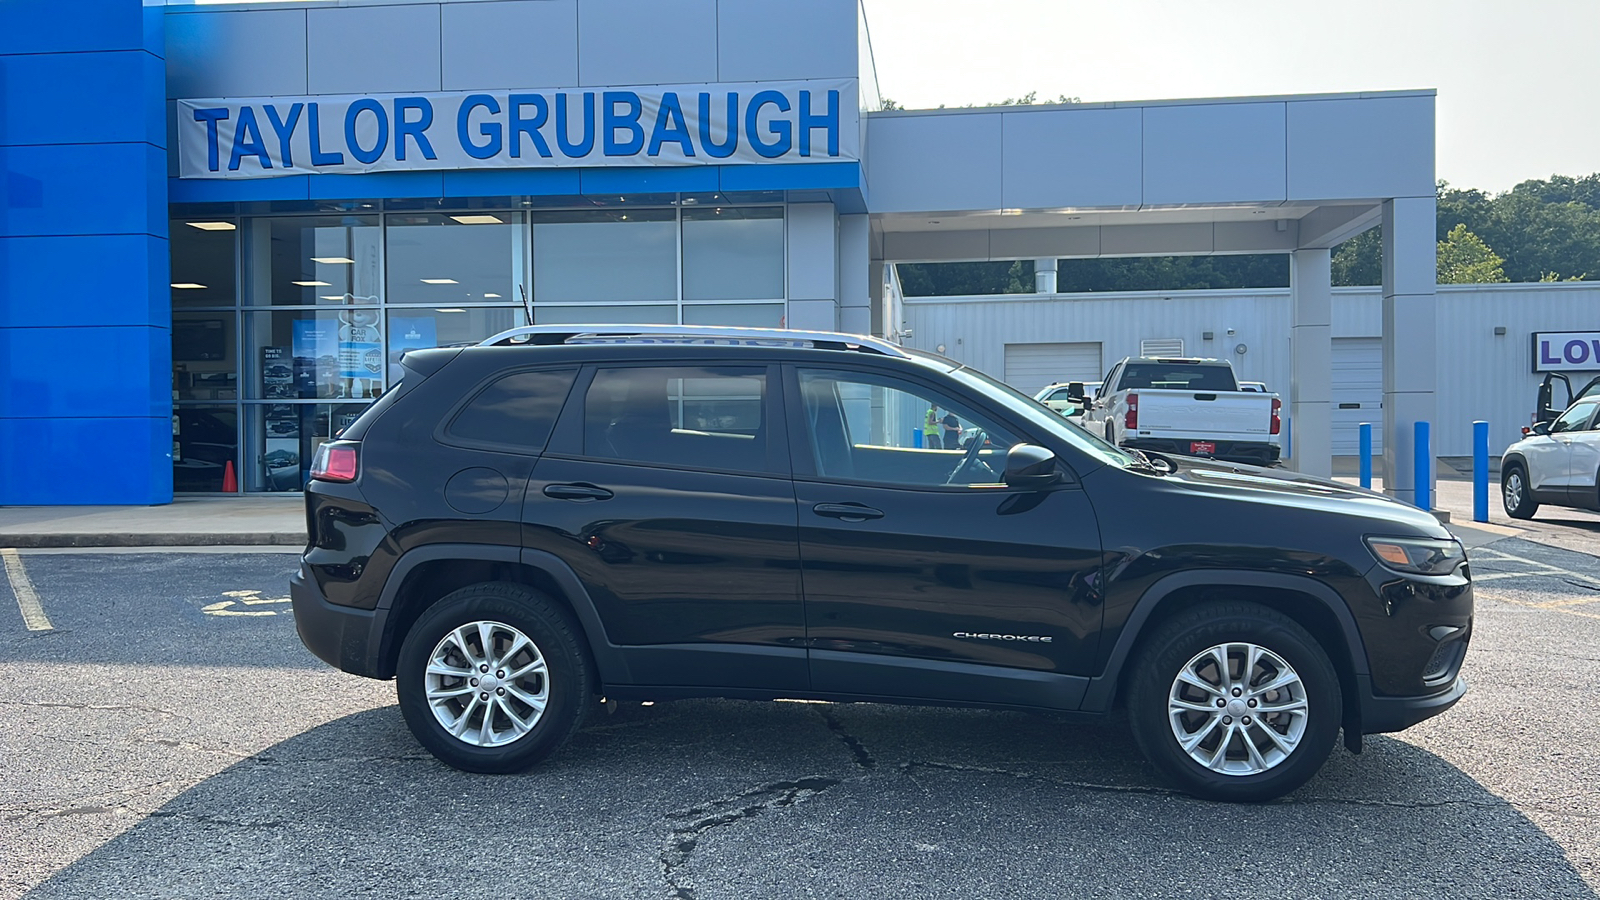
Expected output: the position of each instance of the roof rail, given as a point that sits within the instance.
(546, 335)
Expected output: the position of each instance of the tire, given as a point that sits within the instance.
(1516, 494)
(519, 734)
(1236, 773)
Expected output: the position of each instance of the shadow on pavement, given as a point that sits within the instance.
(712, 799)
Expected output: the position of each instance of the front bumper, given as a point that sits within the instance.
(1380, 715)
(340, 636)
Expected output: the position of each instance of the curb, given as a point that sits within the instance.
(159, 539)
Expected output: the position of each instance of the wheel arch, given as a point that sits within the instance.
(425, 575)
(1313, 605)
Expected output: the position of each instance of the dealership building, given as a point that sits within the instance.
(224, 223)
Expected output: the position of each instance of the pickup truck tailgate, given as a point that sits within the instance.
(1211, 413)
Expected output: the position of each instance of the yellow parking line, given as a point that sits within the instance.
(27, 599)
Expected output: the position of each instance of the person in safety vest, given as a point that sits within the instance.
(930, 428)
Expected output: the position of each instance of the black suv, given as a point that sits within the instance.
(648, 513)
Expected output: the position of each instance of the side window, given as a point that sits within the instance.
(1574, 419)
(862, 427)
(517, 410)
(702, 417)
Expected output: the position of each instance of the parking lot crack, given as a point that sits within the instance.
(97, 707)
(728, 811)
(206, 819)
(907, 768)
(857, 749)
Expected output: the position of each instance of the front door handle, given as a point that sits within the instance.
(580, 492)
(849, 512)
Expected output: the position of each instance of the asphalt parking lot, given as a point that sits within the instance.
(165, 735)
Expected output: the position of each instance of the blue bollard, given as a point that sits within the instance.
(1366, 455)
(1422, 470)
(1480, 471)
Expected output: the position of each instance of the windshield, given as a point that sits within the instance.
(1177, 376)
(1042, 416)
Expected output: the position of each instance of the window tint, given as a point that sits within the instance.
(1178, 377)
(1574, 419)
(519, 409)
(866, 428)
(703, 417)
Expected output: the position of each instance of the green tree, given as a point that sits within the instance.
(1465, 259)
(1359, 260)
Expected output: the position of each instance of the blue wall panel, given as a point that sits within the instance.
(84, 371)
(791, 176)
(53, 462)
(85, 343)
(86, 189)
(646, 180)
(511, 183)
(52, 98)
(238, 190)
(376, 184)
(115, 279)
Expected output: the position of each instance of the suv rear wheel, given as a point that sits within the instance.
(492, 678)
(1235, 702)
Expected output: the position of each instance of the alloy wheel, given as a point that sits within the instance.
(1513, 489)
(487, 683)
(1238, 709)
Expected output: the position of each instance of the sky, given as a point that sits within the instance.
(1518, 80)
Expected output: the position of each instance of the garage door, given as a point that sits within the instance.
(1357, 393)
(1029, 367)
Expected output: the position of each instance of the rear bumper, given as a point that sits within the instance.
(1248, 452)
(1380, 715)
(340, 636)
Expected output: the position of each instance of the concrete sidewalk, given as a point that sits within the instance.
(258, 520)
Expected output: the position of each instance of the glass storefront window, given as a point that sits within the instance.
(283, 439)
(312, 260)
(205, 439)
(743, 315)
(202, 252)
(733, 253)
(203, 349)
(418, 328)
(445, 259)
(604, 256)
(615, 314)
(313, 354)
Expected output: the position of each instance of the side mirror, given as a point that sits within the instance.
(1541, 428)
(1030, 466)
(1075, 390)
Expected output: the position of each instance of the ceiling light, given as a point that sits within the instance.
(452, 309)
(313, 283)
(1010, 212)
(479, 220)
(213, 226)
(331, 297)
(440, 281)
(187, 286)
(495, 296)
(333, 260)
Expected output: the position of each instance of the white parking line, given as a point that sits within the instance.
(27, 599)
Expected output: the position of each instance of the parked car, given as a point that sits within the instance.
(662, 512)
(1069, 398)
(1254, 387)
(1188, 407)
(1557, 463)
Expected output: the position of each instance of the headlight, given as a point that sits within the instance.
(1417, 556)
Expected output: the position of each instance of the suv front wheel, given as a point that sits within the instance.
(1235, 702)
(492, 678)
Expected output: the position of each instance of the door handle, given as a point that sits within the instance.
(580, 492)
(849, 512)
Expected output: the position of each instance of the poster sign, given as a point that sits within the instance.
(1566, 351)
(660, 125)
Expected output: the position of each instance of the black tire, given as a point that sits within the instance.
(1177, 642)
(1525, 506)
(568, 679)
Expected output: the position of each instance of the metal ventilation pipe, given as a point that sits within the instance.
(1044, 276)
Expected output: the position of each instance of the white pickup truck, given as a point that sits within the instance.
(1187, 407)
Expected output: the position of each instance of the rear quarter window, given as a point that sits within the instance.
(516, 411)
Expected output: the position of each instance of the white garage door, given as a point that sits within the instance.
(1357, 393)
(1029, 367)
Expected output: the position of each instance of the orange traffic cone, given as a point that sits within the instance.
(230, 483)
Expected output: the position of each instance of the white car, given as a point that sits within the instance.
(1058, 396)
(1556, 463)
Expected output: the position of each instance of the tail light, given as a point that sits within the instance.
(337, 461)
(1277, 422)
(1131, 420)
(1526, 431)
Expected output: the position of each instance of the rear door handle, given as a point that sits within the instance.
(849, 512)
(579, 492)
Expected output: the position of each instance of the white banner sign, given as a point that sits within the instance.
(675, 125)
(1566, 351)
